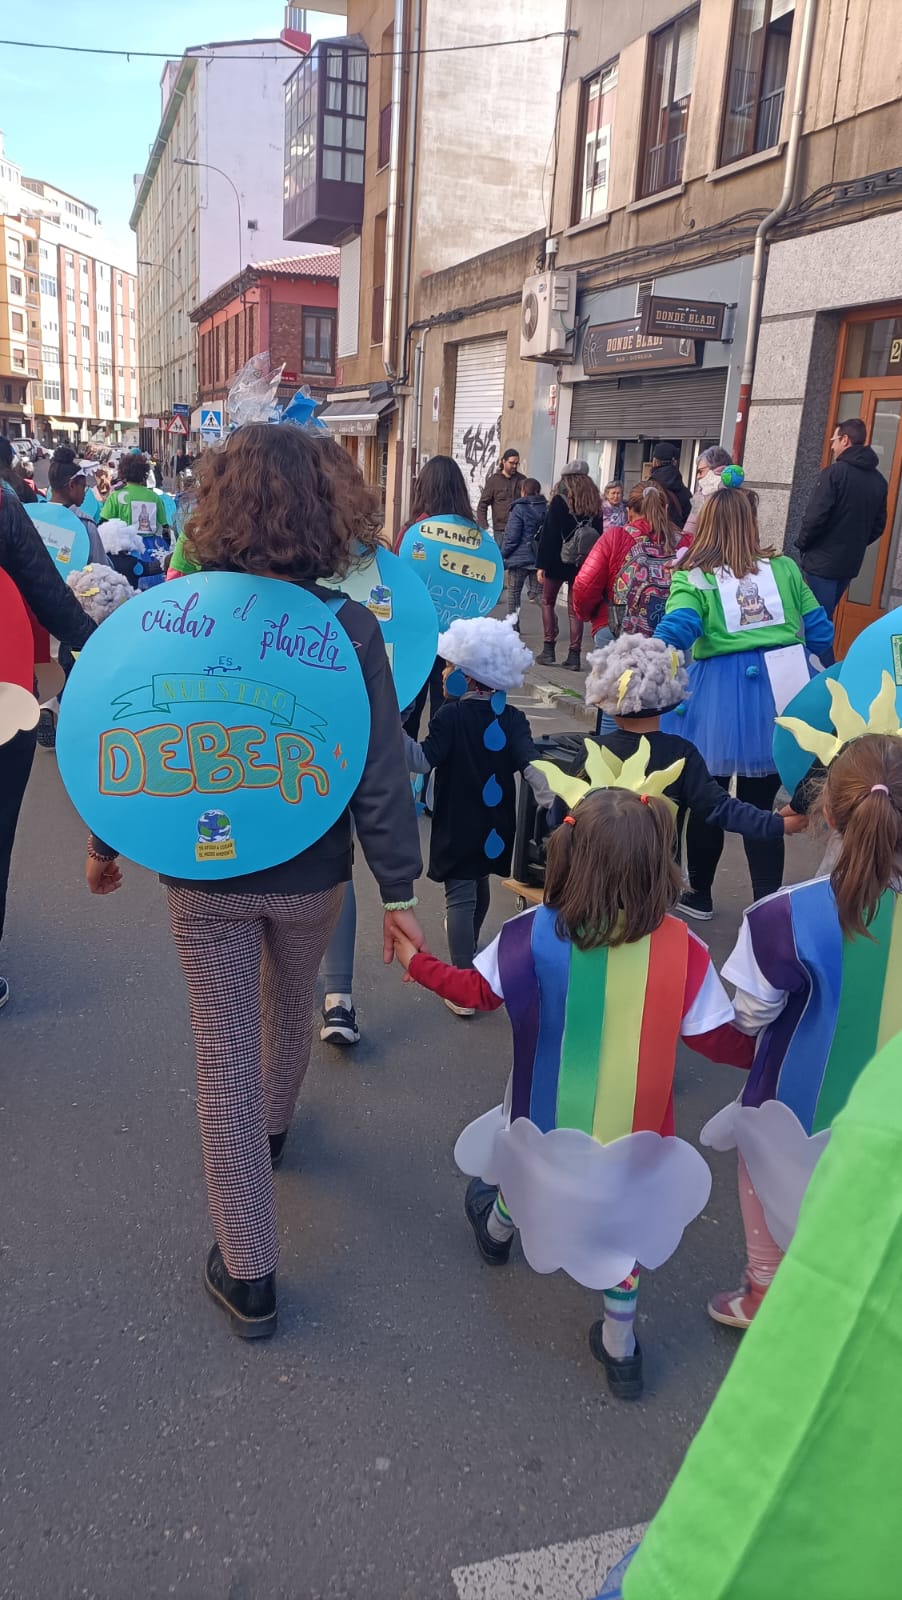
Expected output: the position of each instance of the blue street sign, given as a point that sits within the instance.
(210, 420)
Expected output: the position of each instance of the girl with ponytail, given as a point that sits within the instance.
(818, 970)
(600, 984)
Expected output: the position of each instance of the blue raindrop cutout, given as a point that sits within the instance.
(492, 792)
(138, 569)
(494, 737)
(494, 845)
(456, 684)
(498, 702)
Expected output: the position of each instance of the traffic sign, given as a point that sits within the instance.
(180, 408)
(211, 420)
(178, 425)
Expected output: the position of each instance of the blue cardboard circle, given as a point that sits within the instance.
(216, 726)
(64, 534)
(386, 586)
(459, 563)
(811, 705)
(877, 649)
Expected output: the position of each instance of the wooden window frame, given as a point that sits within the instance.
(669, 180)
(576, 211)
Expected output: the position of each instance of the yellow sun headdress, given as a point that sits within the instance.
(849, 724)
(606, 771)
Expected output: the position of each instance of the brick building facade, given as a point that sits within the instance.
(286, 307)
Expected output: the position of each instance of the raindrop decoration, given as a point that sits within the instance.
(492, 792)
(456, 684)
(498, 702)
(494, 845)
(494, 737)
(138, 568)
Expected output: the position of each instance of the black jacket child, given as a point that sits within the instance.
(475, 792)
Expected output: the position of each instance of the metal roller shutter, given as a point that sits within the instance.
(478, 402)
(670, 405)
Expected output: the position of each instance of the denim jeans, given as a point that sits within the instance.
(337, 970)
(828, 592)
(466, 905)
(516, 578)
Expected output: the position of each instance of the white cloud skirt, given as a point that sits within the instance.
(778, 1152)
(592, 1209)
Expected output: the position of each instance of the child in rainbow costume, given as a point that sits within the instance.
(600, 984)
(818, 970)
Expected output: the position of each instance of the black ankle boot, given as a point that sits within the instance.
(572, 662)
(249, 1302)
(545, 658)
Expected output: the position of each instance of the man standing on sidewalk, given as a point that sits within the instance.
(846, 513)
(502, 489)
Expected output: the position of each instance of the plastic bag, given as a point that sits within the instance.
(252, 397)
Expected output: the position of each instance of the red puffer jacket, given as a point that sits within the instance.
(595, 579)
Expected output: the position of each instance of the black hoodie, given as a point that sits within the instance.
(679, 499)
(846, 513)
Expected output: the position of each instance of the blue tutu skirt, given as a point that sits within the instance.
(729, 715)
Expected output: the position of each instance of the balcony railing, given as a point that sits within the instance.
(664, 161)
(384, 136)
(770, 115)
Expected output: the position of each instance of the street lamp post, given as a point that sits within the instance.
(189, 161)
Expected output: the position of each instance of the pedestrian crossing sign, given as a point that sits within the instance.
(211, 421)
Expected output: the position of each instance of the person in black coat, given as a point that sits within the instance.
(666, 472)
(518, 546)
(24, 557)
(846, 513)
(577, 500)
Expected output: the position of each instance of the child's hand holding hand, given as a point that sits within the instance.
(793, 821)
(405, 949)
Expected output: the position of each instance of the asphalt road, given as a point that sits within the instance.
(416, 1411)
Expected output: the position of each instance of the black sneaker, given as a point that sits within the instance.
(47, 729)
(277, 1148)
(250, 1303)
(624, 1374)
(699, 906)
(4, 992)
(340, 1026)
(478, 1205)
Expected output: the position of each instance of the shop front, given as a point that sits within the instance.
(634, 385)
(867, 383)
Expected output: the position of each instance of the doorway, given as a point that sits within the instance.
(868, 384)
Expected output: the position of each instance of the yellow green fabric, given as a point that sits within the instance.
(706, 603)
(118, 503)
(182, 560)
(790, 1489)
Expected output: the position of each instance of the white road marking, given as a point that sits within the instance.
(573, 1571)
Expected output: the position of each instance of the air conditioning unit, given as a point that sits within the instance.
(548, 316)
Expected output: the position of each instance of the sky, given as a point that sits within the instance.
(86, 123)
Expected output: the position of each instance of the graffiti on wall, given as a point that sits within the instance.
(476, 449)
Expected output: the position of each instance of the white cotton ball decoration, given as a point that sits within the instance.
(120, 538)
(487, 650)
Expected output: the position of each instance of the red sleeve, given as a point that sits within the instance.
(462, 985)
(725, 1044)
(590, 585)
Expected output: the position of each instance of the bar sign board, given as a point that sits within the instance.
(682, 319)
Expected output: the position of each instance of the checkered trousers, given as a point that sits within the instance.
(250, 963)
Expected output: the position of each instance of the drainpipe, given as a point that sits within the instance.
(419, 361)
(394, 177)
(765, 228)
(407, 249)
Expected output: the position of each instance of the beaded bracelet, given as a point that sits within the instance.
(400, 905)
(95, 855)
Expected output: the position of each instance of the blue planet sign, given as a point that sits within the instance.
(64, 534)
(216, 726)
(459, 563)
(385, 585)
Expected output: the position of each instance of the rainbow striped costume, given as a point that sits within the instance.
(582, 1147)
(836, 1002)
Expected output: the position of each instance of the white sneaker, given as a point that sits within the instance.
(461, 1011)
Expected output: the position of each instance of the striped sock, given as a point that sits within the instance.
(500, 1225)
(619, 1316)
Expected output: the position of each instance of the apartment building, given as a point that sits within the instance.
(207, 204)
(288, 307)
(681, 128)
(417, 142)
(67, 318)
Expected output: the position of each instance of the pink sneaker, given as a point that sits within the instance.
(736, 1308)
